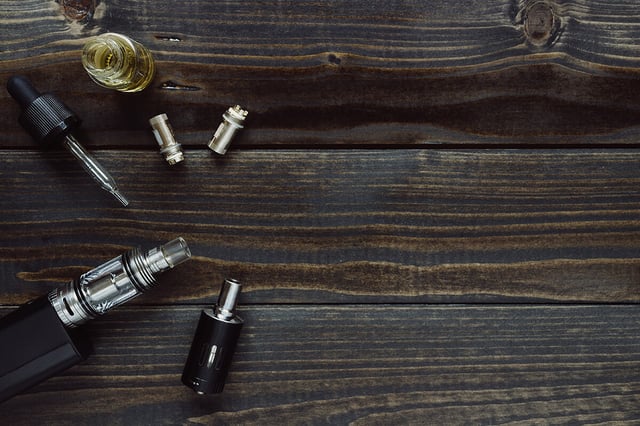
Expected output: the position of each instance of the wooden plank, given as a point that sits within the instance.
(543, 104)
(334, 73)
(337, 226)
(357, 364)
(405, 34)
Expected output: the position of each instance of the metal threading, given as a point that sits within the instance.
(137, 268)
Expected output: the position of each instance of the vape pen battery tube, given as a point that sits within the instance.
(214, 343)
(40, 339)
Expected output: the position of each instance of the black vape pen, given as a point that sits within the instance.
(214, 343)
(40, 339)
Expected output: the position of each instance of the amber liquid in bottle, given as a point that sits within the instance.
(117, 62)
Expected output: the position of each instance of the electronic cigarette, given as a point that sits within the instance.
(40, 339)
(214, 343)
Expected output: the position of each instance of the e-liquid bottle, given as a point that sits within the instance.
(117, 62)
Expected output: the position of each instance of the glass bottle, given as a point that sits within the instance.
(117, 62)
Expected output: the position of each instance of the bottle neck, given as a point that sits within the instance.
(106, 57)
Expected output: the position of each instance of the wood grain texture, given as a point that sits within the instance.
(336, 226)
(335, 73)
(357, 364)
(401, 34)
(377, 181)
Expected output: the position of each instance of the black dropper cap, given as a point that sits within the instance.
(44, 116)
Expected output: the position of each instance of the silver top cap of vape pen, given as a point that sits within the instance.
(227, 300)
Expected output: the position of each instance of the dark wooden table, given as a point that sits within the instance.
(433, 209)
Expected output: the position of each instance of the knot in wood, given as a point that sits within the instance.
(541, 23)
(78, 10)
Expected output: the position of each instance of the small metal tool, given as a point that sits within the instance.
(233, 120)
(169, 147)
(48, 120)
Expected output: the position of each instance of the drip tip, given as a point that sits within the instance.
(176, 251)
(167, 256)
(226, 306)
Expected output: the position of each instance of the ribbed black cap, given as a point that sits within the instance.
(44, 116)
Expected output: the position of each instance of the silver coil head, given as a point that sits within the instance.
(163, 132)
(232, 121)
